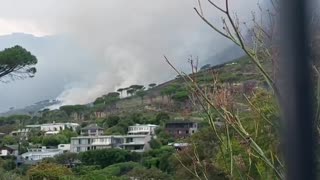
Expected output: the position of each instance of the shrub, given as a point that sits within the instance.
(106, 157)
(49, 171)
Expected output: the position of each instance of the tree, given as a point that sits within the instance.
(141, 94)
(48, 171)
(54, 140)
(130, 92)
(106, 157)
(205, 67)
(16, 63)
(118, 169)
(69, 109)
(9, 140)
(120, 90)
(107, 99)
(67, 158)
(152, 85)
(181, 96)
(111, 121)
(9, 164)
(144, 173)
(161, 118)
(68, 134)
(137, 87)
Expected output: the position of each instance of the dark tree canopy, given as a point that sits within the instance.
(204, 67)
(152, 85)
(137, 87)
(16, 63)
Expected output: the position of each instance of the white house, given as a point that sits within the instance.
(58, 126)
(86, 143)
(137, 143)
(92, 130)
(49, 129)
(137, 139)
(40, 153)
(64, 147)
(142, 129)
(9, 150)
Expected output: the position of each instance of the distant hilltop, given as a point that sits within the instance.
(31, 109)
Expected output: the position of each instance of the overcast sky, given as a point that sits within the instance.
(123, 41)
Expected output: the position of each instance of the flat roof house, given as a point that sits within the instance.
(92, 130)
(142, 129)
(136, 143)
(55, 128)
(181, 129)
(86, 143)
(49, 129)
(9, 150)
(37, 154)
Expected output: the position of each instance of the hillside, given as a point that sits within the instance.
(156, 99)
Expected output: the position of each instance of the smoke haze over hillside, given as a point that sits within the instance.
(124, 41)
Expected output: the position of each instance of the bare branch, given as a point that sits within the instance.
(213, 27)
(216, 6)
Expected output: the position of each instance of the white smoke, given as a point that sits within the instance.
(127, 39)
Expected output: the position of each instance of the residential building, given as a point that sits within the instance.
(137, 139)
(21, 132)
(86, 143)
(135, 143)
(92, 130)
(179, 146)
(58, 126)
(181, 129)
(2, 134)
(142, 129)
(9, 150)
(38, 154)
(49, 129)
(64, 147)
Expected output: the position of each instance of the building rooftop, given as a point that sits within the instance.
(50, 124)
(33, 126)
(94, 137)
(180, 122)
(150, 125)
(13, 147)
(92, 127)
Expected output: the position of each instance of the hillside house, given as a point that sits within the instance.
(137, 143)
(37, 154)
(92, 130)
(64, 147)
(55, 128)
(48, 129)
(142, 129)
(181, 129)
(9, 150)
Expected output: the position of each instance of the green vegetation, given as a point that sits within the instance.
(16, 63)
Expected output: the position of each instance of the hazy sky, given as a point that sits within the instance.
(125, 41)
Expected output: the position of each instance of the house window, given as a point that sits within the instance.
(78, 149)
(187, 132)
(129, 140)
